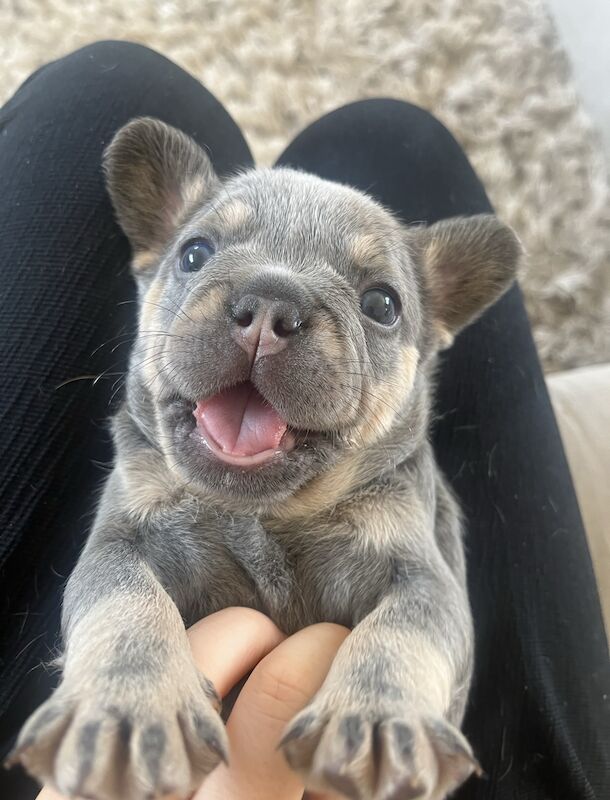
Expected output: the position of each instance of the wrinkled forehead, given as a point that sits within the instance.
(292, 216)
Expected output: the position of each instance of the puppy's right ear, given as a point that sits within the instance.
(154, 173)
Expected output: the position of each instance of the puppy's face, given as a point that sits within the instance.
(284, 319)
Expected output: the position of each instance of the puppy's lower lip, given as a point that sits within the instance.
(246, 461)
(241, 428)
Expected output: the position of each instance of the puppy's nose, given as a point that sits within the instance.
(262, 326)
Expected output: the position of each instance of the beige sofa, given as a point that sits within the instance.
(581, 399)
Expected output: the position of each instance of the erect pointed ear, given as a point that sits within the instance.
(153, 174)
(468, 262)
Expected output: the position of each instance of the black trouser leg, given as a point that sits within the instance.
(539, 715)
(63, 276)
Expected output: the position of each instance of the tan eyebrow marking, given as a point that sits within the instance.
(234, 214)
(408, 361)
(365, 248)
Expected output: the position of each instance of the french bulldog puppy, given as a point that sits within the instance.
(273, 452)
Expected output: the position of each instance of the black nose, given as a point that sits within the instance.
(263, 325)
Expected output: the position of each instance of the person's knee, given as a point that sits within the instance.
(109, 55)
(111, 67)
(384, 118)
(100, 86)
(386, 106)
(374, 133)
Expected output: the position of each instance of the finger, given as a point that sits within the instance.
(280, 686)
(228, 644)
(48, 794)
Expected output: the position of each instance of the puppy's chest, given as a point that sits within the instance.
(308, 577)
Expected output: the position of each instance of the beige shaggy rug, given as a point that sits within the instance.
(490, 69)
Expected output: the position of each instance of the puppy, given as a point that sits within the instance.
(273, 452)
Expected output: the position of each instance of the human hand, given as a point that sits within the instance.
(286, 673)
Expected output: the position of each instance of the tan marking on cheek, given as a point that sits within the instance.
(234, 214)
(381, 404)
(328, 340)
(364, 248)
(147, 484)
(378, 411)
(150, 306)
(149, 362)
(409, 359)
(143, 260)
(211, 306)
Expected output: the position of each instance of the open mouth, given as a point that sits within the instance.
(241, 428)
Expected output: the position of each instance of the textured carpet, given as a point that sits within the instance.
(490, 69)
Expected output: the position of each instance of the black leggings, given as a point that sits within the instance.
(538, 715)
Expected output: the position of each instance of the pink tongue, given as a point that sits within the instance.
(240, 421)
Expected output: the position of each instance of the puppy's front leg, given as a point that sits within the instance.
(132, 716)
(383, 725)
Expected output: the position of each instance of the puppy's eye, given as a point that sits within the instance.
(195, 253)
(379, 305)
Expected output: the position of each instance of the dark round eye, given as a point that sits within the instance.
(195, 253)
(378, 304)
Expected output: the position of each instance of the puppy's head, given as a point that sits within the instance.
(285, 320)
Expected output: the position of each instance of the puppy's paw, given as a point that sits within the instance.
(141, 742)
(365, 755)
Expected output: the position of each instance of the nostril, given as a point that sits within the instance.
(243, 318)
(285, 327)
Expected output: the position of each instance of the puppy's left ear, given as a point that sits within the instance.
(467, 262)
(153, 174)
